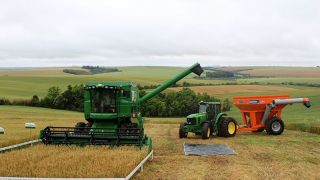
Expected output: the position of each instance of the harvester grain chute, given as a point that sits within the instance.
(113, 112)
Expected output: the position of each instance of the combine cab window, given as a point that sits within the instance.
(103, 101)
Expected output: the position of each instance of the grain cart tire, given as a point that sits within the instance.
(182, 133)
(78, 128)
(274, 126)
(228, 127)
(206, 131)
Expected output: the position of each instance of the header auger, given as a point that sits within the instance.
(112, 111)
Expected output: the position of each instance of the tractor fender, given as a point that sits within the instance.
(218, 118)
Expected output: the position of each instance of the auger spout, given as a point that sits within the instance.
(196, 68)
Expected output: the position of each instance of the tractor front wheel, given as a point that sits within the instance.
(182, 133)
(228, 127)
(274, 126)
(206, 131)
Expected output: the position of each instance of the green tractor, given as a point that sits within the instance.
(112, 111)
(208, 121)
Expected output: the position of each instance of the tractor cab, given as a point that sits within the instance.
(210, 108)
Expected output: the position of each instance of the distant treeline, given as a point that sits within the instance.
(90, 70)
(212, 73)
(179, 103)
(70, 99)
(187, 84)
(219, 74)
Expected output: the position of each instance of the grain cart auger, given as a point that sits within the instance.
(112, 110)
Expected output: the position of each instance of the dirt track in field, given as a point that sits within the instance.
(293, 155)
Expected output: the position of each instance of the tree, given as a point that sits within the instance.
(51, 96)
(35, 100)
(226, 105)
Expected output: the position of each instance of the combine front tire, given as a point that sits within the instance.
(274, 126)
(228, 127)
(206, 131)
(182, 133)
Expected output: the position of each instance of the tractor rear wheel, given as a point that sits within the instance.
(206, 131)
(274, 126)
(228, 127)
(79, 127)
(182, 133)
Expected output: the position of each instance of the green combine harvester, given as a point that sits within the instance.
(112, 111)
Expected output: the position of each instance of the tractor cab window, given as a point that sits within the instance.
(203, 108)
(103, 101)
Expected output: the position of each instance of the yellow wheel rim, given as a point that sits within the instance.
(231, 128)
(208, 135)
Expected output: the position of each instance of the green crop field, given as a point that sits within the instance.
(26, 82)
(293, 155)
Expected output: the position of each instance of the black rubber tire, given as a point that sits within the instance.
(224, 127)
(205, 129)
(219, 133)
(271, 128)
(79, 127)
(182, 134)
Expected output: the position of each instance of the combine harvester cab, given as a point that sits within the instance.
(112, 111)
(261, 113)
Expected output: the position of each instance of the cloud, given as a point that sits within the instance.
(176, 32)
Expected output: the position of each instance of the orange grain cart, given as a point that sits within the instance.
(261, 113)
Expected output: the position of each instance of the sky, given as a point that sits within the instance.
(164, 32)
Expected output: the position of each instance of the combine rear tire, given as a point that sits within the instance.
(206, 131)
(228, 127)
(79, 127)
(274, 126)
(182, 134)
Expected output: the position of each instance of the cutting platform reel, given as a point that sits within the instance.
(94, 136)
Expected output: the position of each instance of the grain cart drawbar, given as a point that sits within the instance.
(112, 110)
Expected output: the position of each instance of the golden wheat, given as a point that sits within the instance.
(70, 161)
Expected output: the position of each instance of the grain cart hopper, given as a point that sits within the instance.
(261, 113)
(112, 111)
(207, 121)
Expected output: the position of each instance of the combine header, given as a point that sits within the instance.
(112, 111)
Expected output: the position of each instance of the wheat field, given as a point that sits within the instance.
(70, 161)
